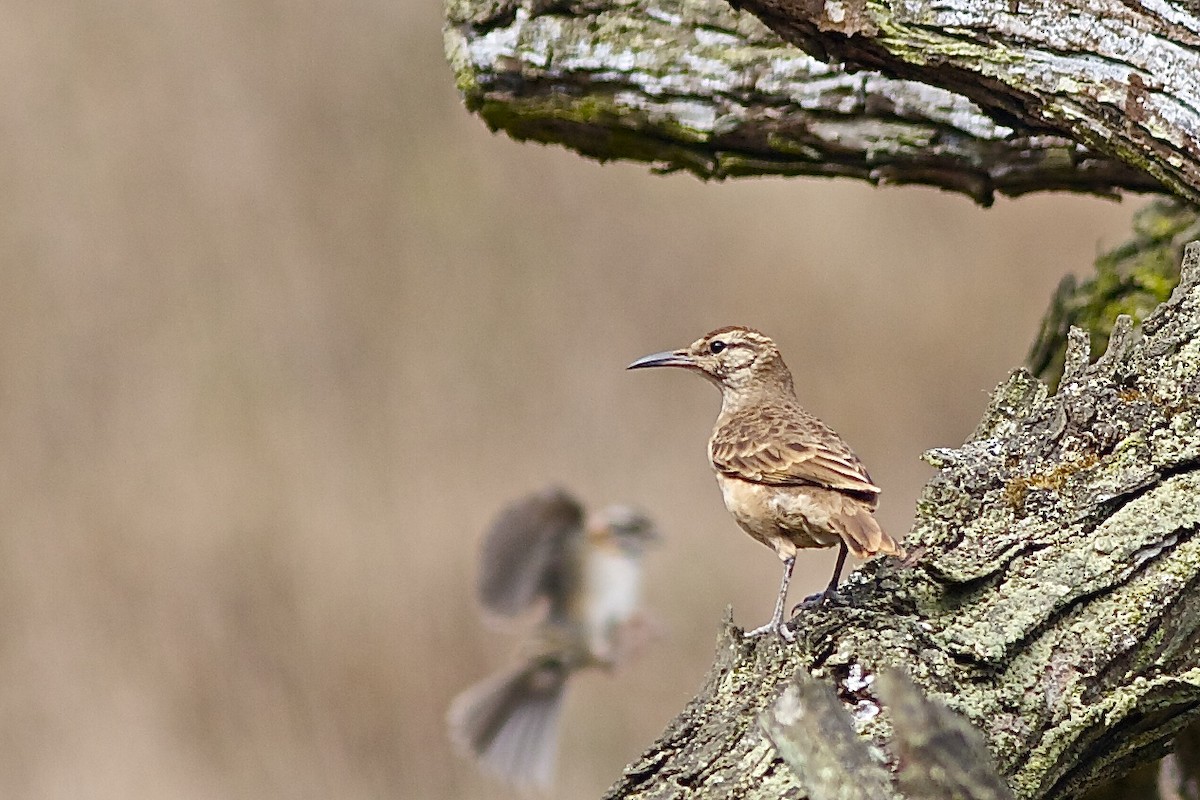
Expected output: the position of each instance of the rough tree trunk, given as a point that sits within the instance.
(1053, 598)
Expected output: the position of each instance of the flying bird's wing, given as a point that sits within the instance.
(526, 553)
(788, 449)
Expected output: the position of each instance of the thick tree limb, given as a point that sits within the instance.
(1054, 598)
(692, 85)
(1120, 77)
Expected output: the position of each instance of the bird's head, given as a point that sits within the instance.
(741, 361)
(629, 529)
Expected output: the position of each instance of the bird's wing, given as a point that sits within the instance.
(788, 450)
(526, 552)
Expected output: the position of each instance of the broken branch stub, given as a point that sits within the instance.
(938, 753)
(813, 735)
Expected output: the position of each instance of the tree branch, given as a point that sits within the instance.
(692, 85)
(1120, 77)
(1053, 599)
(1132, 279)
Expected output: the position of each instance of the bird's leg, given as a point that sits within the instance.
(831, 593)
(776, 624)
(831, 590)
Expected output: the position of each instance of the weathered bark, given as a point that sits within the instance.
(1132, 279)
(1141, 783)
(1120, 77)
(693, 85)
(1053, 598)
(812, 734)
(940, 754)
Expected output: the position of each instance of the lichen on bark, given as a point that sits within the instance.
(1052, 599)
(1122, 78)
(1131, 279)
(693, 85)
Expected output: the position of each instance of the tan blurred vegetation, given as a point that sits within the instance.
(283, 326)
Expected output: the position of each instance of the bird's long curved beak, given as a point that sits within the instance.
(668, 358)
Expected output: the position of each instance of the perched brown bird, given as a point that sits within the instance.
(583, 574)
(787, 478)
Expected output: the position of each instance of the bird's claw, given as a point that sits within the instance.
(826, 598)
(780, 628)
(759, 631)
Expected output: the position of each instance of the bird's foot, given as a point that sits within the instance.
(829, 597)
(780, 628)
(759, 631)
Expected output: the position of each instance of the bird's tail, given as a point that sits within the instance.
(509, 722)
(861, 532)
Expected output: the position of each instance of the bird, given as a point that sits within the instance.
(582, 573)
(787, 478)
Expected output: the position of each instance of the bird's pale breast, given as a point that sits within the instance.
(783, 518)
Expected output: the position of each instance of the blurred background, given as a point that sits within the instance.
(282, 327)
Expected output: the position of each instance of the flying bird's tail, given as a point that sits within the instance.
(509, 722)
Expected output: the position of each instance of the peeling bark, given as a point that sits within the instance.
(940, 754)
(692, 85)
(1053, 601)
(1120, 77)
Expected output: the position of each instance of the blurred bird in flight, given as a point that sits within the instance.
(583, 575)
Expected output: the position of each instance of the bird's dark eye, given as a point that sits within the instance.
(716, 347)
